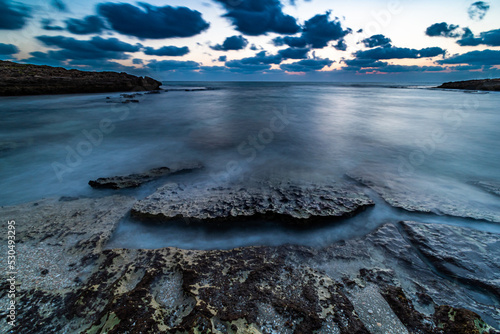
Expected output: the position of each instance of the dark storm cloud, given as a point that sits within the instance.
(96, 48)
(317, 32)
(399, 53)
(376, 40)
(231, 43)
(8, 49)
(485, 57)
(149, 21)
(307, 65)
(258, 17)
(172, 65)
(137, 61)
(443, 29)
(490, 38)
(13, 15)
(48, 24)
(293, 53)
(478, 10)
(167, 51)
(88, 25)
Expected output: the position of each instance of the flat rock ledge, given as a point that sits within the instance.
(293, 204)
(67, 281)
(135, 180)
(417, 195)
(27, 79)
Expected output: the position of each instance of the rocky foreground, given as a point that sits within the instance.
(26, 79)
(486, 84)
(405, 277)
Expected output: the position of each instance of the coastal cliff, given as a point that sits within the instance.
(26, 79)
(486, 84)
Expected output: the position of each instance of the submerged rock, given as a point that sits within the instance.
(68, 282)
(298, 204)
(469, 256)
(135, 180)
(490, 186)
(26, 79)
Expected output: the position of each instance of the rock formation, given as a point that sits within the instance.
(486, 84)
(26, 79)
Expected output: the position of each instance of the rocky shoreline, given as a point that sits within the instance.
(404, 277)
(26, 79)
(479, 85)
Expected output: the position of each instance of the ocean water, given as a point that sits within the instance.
(51, 146)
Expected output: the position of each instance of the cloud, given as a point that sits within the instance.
(490, 38)
(478, 10)
(222, 58)
(294, 42)
(485, 57)
(360, 63)
(100, 65)
(399, 53)
(259, 17)
(167, 51)
(319, 30)
(376, 40)
(261, 58)
(47, 24)
(151, 21)
(88, 25)
(8, 49)
(59, 5)
(240, 67)
(341, 45)
(13, 16)
(172, 65)
(96, 48)
(293, 53)
(407, 68)
(442, 29)
(137, 61)
(231, 43)
(307, 65)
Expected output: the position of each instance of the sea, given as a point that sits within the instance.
(52, 145)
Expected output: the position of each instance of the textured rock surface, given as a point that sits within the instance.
(25, 79)
(135, 180)
(414, 194)
(471, 257)
(286, 202)
(486, 84)
(375, 284)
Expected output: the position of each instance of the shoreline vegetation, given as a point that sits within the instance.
(26, 79)
(486, 85)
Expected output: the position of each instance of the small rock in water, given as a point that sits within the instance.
(135, 180)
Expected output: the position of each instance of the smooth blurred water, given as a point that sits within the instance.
(330, 130)
(52, 146)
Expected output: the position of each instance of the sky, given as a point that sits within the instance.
(266, 40)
